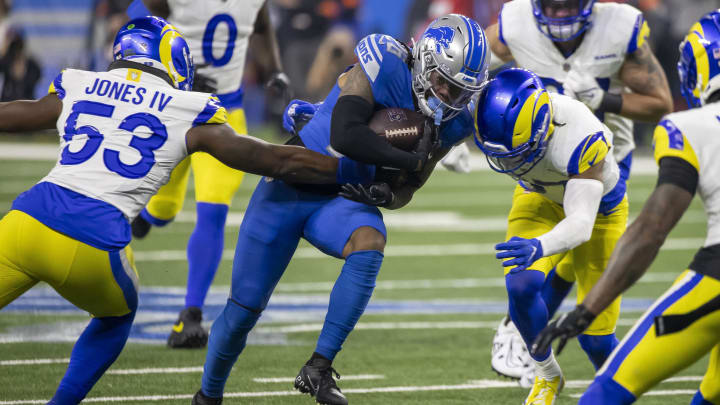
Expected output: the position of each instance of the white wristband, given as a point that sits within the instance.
(580, 203)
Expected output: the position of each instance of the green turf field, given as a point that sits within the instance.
(427, 339)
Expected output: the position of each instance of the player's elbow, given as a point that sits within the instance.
(585, 229)
(663, 106)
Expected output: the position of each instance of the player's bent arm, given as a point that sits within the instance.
(500, 53)
(248, 154)
(650, 99)
(267, 49)
(581, 201)
(349, 130)
(30, 115)
(405, 193)
(638, 246)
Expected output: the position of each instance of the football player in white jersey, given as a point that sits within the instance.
(121, 134)
(569, 207)
(683, 325)
(218, 34)
(598, 54)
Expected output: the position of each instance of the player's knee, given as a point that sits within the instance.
(524, 286)
(598, 347)
(605, 390)
(365, 238)
(238, 318)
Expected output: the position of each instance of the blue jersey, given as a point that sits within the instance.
(383, 59)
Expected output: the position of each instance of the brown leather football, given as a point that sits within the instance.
(402, 128)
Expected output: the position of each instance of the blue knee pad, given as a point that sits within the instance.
(598, 348)
(698, 399)
(227, 340)
(348, 300)
(605, 391)
(554, 291)
(527, 308)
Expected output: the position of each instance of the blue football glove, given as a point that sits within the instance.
(524, 252)
(298, 110)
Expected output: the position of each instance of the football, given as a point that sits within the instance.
(402, 128)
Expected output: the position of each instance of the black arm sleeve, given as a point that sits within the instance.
(351, 136)
(679, 172)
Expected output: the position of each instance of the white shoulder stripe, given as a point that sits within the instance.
(368, 61)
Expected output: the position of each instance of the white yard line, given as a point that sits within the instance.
(462, 249)
(359, 377)
(167, 370)
(32, 362)
(471, 385)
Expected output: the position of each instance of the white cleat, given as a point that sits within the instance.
(510, 358)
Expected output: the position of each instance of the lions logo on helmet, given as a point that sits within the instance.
(699, 64)
(513, 121)
(567, 20)
(154, 42)
(455, 47)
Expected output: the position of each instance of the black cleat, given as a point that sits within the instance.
(140, 227)
(187, 332)
(202, 399)
(316, 378)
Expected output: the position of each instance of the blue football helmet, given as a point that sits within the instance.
(154, 42)
(456, 48)
(699, 64)
(563, 28)
(513, 121)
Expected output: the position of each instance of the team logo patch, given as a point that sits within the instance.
(396, 115)
(442, 36)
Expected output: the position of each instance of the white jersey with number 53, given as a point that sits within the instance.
(122, 132)
(217, 33)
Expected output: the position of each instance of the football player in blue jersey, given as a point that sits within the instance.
(121, 132)
(438, 77)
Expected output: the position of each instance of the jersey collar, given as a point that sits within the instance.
(126, 64)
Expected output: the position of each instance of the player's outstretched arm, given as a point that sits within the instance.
(637, 248)
(30, 115)
(650, 99)
(252, 155)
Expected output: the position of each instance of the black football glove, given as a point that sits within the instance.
(279, 84)
(426, 144)
(204, 84)
(375, 194)
(567, 326)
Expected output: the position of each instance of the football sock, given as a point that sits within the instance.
(699, 400)
(605, 390)
(96, 349)
(204, 251)
(227, 340)
(554, 291)
(154, 221)
(598, 348)
(348, 300)
(527, 308)
(548, 368)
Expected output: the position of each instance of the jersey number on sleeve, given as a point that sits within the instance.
(209, 35)
(111, 158)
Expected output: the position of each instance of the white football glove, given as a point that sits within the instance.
(458, 159)
(583, 87)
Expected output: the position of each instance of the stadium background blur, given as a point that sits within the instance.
(38, 38)
(435, 327)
